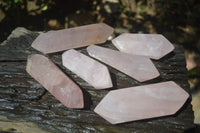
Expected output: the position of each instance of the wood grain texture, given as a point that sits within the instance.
(22, 98)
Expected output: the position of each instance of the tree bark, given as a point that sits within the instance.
(22, 98)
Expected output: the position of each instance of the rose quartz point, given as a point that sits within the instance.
(138, 67)
(55, 41)
(142, 102)
(93, 72)
(154, 46)
(55, 81)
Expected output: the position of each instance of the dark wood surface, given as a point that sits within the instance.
(22, 98)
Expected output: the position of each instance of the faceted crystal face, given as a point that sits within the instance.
(93, 72)
(55, 81)
(54, 41)
(154, 46)
(138, 67)
(142, 102)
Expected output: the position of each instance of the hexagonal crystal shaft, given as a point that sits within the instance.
(55, 81)
(154, 46)
(54, 41)
(138, 67)
(93, 72)
(142, 102)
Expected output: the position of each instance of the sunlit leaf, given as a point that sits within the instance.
(45, 8)
(16, 1)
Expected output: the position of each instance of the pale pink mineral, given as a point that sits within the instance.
(142, 102)
(154, 46)
(138, 67)
(55, 81)
(54, 41)
(93, 72)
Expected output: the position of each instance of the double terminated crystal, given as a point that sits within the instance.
(55, 81)
(54, 41)
(138, 67)
(154, 46)
(95, 73)
(118, 106)
(142, 102)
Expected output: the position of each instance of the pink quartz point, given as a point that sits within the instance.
(154, 46)
(142, 102)
(55, 41)
(55, 81)
(138, 67)
(93, 72)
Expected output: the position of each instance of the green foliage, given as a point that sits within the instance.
(123, 8)
(142, 7)
(193, 72)
(10, 2)
(16, 1)
(45, 8)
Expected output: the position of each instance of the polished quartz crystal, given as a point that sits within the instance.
(142, 102)
(154, 46)
(95, 73)
(55, 41)
(55, 81)
(138, 67)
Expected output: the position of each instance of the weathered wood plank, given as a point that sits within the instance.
(21, 97)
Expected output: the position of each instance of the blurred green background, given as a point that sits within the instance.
(179, 20)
